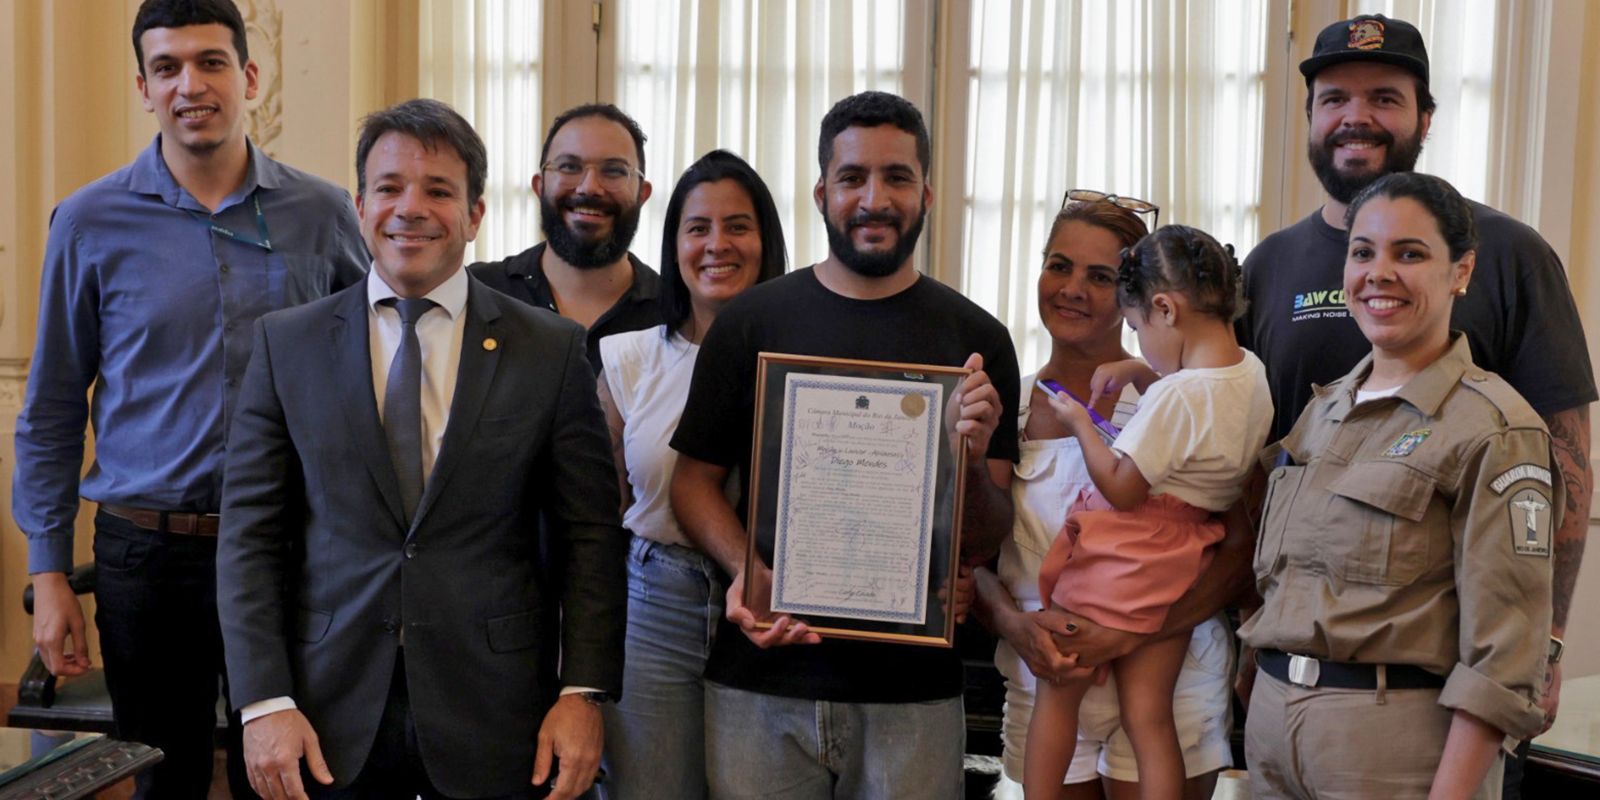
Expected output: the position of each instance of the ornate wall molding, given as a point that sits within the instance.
(263, 22)
(13, 382)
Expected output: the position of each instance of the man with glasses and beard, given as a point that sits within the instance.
(1369, 108)
(590, 187)
(894, 715)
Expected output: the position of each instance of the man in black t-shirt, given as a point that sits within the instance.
(590, 186)
(1370, 109)
(785, 710)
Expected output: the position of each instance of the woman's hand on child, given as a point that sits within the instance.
(1038, 650)
(1092, 645)
(1110, 378)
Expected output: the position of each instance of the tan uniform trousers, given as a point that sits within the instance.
(1338, 744)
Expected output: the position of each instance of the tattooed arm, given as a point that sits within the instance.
(1569, 435)
(1569, 438)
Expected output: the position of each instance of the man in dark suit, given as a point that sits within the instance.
(388, 616)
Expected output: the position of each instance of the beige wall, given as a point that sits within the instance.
(1583, 268)
(68, 113)
(64, 114)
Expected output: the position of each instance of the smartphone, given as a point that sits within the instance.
(1107, 430)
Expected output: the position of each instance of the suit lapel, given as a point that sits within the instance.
(353, 375)
(474, 377)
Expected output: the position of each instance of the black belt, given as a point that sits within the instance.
(1342, 675)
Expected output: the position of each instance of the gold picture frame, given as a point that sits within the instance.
(857, 480)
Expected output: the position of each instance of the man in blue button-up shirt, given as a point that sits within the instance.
(152, 278)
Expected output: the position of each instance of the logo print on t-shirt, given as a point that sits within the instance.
(1319, 304)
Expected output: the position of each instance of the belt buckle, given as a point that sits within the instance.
(1304, 670)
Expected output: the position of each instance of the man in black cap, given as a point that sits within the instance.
(1369, 108)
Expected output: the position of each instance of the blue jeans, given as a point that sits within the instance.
(655, 736)
(760, 745)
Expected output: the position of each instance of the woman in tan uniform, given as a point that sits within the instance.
(1404, 552)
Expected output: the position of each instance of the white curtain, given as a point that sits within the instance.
(483, 57)
(754, 77)
(1156, 99)
(1482, 68)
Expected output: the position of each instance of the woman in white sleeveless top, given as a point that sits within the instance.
(1077, 303)
(722, 236)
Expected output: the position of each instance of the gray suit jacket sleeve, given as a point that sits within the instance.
(264, 500)
(581, 501)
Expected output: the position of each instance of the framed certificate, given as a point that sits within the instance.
(856, 481)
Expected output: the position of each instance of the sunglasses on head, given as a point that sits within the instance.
(1133, 204)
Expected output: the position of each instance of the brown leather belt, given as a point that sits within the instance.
(183, 523)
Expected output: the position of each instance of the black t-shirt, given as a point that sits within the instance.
(928, 323)
(522, 277)
(1518, 315)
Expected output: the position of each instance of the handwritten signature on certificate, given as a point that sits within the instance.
(856, 497)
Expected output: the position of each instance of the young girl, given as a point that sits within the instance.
(1132, 548)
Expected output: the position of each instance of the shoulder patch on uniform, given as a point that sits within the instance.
(1530, 523)
(1531, 472)
(1407, 443)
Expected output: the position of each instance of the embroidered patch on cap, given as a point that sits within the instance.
(1408, 442)
(1530, 523)
(1366, 34)
(1531, 472)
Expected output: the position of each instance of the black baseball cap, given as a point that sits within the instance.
(1369, 37)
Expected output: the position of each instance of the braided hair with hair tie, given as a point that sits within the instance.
(1128, 280)
(1197, 256)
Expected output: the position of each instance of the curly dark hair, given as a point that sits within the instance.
(869, 110)
(1178, 258)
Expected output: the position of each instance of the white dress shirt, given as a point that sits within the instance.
(439, 333)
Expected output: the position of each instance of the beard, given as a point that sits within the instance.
(1400, 155)
(584, 251)
(877, 263)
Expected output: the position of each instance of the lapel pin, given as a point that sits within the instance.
(490, 344)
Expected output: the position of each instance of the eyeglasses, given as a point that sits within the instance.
(613, 175)
(1133, 204)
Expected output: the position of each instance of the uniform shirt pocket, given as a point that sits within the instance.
(1283, 485)
(1373, 517)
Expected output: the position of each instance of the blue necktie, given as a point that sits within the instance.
(402, 402)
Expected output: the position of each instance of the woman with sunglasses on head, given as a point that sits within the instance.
(722, 236)
(1404, 554)
(1078, 306)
